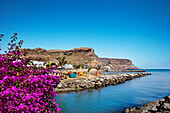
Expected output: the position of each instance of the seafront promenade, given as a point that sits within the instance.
(90, 82)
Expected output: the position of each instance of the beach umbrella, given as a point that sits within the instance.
(93, 70)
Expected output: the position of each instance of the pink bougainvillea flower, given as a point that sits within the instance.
(25, 88)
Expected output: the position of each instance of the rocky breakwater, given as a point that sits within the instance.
(79, 84)
(160, 106)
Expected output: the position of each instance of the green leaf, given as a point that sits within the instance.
(17, 85)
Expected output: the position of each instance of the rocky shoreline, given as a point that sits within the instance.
(79, 84)
(160, 106)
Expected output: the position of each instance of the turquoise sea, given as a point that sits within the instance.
(111, 99)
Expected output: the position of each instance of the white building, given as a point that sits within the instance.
(67, 66)
(39, 64)
(107, 68)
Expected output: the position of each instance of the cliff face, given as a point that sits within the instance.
(118, 63)
(78, 56)
(74, 56)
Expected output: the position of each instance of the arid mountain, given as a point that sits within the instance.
(74, 56)
(78, 56)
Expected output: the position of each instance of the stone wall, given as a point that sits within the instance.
(96, 82)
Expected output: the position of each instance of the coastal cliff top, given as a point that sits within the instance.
(60, 50)
(112, 59)
(72, 50)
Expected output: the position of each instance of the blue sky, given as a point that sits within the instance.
(134, 29)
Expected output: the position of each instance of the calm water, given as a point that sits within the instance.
(111, 99)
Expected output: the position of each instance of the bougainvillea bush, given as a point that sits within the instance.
(24, 88)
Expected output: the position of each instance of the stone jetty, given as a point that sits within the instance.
(79, 84)
(160, 106)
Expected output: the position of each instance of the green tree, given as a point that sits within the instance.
(61, 61)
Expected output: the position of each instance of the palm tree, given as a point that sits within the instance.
(61, 61)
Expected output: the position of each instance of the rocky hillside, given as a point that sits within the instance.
(74, 56)
(78, 56)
